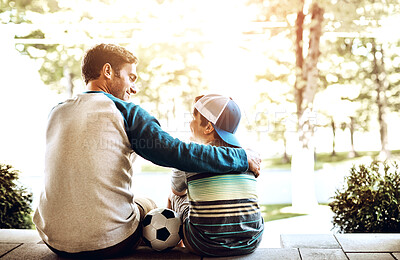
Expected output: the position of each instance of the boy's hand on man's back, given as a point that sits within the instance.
(254, 160)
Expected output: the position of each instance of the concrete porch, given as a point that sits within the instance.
(26, 244)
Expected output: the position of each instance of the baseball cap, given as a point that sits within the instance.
(223, 113)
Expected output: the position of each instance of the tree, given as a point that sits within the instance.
(279, 133)
(373, 69)
(15, 11)
(275, 116)
(366, 49)
(61, 64)
(163, 65)
(58, 61)
(344, 20)
(170, 74)
(306, 85)
(381, 100)
(341, 88)
(351, 126)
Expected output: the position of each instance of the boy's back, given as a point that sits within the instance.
(224, 215)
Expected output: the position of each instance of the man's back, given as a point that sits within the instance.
(88, 169)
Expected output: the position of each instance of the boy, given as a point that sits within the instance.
(220, 213)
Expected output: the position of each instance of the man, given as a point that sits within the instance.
(87, 208)
(220, 213)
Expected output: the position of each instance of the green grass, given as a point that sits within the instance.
(277, 162)
(323, 158)
(273, 212)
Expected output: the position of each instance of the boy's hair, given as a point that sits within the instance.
(203, 122)
(97, 56)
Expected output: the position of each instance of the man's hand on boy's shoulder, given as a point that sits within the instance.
(254, 160)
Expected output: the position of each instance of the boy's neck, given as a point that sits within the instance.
(214, 142)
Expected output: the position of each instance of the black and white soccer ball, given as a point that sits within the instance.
(162, 229)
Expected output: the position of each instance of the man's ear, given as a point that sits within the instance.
(209, 129)
(107, 70)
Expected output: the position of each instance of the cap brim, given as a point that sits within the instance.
(227, 137)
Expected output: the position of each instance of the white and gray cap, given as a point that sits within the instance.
(223, 113)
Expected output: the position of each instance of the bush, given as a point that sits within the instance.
(15, 200)
(369, 201)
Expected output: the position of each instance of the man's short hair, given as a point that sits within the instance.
(97, 56)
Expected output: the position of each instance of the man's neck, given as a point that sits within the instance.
(97, 85)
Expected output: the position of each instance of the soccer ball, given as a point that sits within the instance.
(162, 229)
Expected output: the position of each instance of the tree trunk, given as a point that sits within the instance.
(70, 83)
(379, 72)
(353, 152)
(300, 81)
(333, 137)
(303, 189)
(285, 158)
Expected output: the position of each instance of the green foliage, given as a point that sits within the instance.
(169, 72)
(14, 11)
(57, 60)
(356, 69)
(369, 201)
(15, 200)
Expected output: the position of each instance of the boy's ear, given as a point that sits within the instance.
(107, 70)
(209, 129)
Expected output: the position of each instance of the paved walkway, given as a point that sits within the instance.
(319, 221)
(26, 244)
(344, 246)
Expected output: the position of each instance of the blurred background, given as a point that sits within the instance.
(317, 82)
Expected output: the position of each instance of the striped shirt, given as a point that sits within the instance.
(224, 215)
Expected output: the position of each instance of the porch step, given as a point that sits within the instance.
(344, 246)
(26, 244)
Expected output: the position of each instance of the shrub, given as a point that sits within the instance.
(369, 200)
(15, 200)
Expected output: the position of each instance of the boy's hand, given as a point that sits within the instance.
(254, 160)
